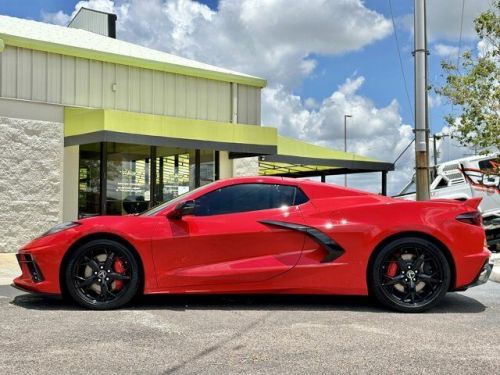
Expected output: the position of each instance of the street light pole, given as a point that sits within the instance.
(345, 143)
(435, 138)
(434, 146)
(421, 123)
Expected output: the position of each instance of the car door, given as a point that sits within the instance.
(225, 240)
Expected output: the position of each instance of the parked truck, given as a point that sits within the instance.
(461, 179)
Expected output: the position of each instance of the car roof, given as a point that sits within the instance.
(308, 184)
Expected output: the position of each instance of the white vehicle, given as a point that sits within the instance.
(461, 179)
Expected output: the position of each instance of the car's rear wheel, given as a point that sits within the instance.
(410, 275)
(102, 274)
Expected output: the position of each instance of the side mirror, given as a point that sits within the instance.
(182, 209)
(490, 180)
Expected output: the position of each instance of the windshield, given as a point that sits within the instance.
(172, 202)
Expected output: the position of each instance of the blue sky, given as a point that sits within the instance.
(322, 59)
(33, 8)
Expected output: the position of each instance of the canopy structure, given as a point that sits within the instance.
(300, 159)
(83, 126)
(278, 155)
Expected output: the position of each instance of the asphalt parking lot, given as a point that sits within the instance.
(250, 334)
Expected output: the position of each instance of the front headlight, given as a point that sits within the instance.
(60, 227)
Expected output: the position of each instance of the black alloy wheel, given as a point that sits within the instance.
(102, 274)
(410, 275)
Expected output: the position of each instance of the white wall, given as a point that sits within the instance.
(246, 167)
(31, 164)
(249, 105)
(225, 165)
(91, 20)
(70, 183)
(72, 81)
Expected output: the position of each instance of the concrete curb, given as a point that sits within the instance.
(495, 275)
(9, 269)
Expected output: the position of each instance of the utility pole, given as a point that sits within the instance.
(421, 123)
(345, 143)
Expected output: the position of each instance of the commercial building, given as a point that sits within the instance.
(92, 125)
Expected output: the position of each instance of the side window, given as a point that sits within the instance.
(248, 197)
(442, 183)
(282, 195)
(285, 195)
(236, 198)
(300, 197)
(487, 164)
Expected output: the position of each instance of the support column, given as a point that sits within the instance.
(70, 182)
(160, 179)
(216, 165)
(152, 177)
(323, 178)
(103, 177)
(197, 168)
(384, 182)
(225, 165)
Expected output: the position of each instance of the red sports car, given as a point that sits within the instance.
(266, 235)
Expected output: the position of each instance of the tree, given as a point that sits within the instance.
(474, 87)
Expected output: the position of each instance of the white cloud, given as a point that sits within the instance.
(445, 50)
(449, 148)
(58, 18)
(485, 47)
(274, 39)
(278, 39)
(444, 18)
(435, 100)
(373, 131)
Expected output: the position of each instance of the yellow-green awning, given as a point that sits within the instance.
(278, 155)
(297, 158)
(82, 126)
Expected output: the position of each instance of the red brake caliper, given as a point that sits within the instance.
(118, 268)
(392, 269)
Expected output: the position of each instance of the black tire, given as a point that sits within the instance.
(409, 275)
(102, 275)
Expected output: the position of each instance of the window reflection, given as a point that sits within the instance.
(89, 180)
(128, 178)
(138, 177)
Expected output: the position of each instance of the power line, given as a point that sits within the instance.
(460, 35)
(400, 59)
(402, 152)
(459, 47)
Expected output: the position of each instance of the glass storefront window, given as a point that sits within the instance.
(138, 177)
(172, 173)
(128, 178)
(207, 170)
(89, 180)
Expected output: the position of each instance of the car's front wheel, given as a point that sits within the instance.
(410, 275)
(102, 274)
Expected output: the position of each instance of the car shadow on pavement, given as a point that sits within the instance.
(452, 303)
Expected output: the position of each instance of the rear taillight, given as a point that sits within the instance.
(473, 218)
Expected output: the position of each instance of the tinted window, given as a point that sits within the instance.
(300, 197)
(284, 195)
(247, 197)
(487, 164)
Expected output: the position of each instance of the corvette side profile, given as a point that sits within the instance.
(266, 235)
